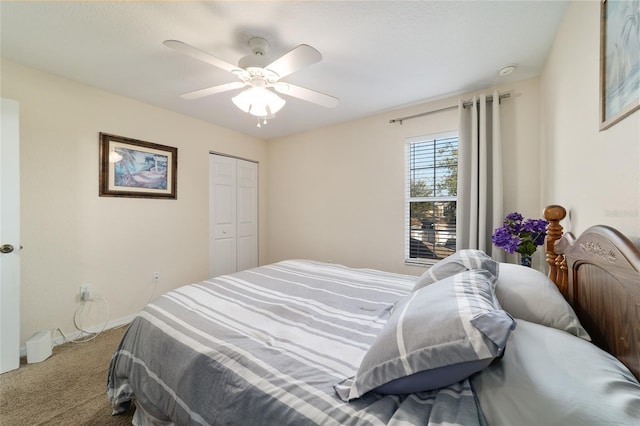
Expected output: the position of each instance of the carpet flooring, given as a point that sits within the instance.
(68, 388)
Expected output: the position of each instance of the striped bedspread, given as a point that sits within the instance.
(266, 346)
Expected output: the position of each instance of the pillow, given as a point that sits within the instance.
(530, 295)
(523, 292)
(460, 261)
(436, 336)
(549, 377)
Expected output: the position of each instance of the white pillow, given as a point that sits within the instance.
(549, 377)
(530, 295)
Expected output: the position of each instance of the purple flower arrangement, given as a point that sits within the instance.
(518, 235)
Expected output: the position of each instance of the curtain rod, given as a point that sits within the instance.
(465, 104)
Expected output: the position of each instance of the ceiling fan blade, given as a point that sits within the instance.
(201, 55)
(307, 95)
(297, 58)
(213, 90)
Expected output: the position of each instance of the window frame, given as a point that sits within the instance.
(409, 199)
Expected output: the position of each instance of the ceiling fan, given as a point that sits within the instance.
(259, 74)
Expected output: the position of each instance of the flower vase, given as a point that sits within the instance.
(525, 260)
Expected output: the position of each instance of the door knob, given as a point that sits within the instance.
(6, 248)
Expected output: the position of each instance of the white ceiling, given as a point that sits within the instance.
(377, 55)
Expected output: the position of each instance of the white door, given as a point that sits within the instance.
(222, 210)
(9, 237)
(247, 215)
(233, 209)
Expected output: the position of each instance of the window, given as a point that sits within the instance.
(431, 189)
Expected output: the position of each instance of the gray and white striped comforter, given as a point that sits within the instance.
(266, 347)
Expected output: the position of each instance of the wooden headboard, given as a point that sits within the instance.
(599, 275)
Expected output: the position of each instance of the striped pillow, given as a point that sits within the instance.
(460, 261)
(436, 336)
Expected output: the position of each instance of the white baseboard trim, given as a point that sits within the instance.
(78, 334)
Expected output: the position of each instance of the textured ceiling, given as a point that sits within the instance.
(377, 55)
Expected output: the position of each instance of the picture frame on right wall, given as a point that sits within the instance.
(619, 60)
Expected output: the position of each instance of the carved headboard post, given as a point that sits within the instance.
(557, 270)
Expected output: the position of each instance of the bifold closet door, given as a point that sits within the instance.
(233, 209)
(246, 215)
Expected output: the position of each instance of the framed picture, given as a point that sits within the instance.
(619, 60)
(133, 168)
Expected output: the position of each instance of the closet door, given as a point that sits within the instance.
(222, 211)
(246, 215)
(233, 209)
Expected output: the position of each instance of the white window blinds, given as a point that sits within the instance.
(431, 187)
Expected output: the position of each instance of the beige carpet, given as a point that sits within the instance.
(68, 388)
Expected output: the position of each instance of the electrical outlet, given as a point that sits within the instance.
(155, 278)
(85, 292)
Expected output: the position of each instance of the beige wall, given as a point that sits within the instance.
(71, 236)
(338, 193)
(595, 174)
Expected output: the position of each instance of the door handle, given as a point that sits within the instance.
(6, 248)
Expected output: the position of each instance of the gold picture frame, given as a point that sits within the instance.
(619, 60)
(137, 169)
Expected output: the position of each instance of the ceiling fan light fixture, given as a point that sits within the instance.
(259, 101)
(262, 74)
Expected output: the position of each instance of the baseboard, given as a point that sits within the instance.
(78, 334)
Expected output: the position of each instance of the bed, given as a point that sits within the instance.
(471, 341)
